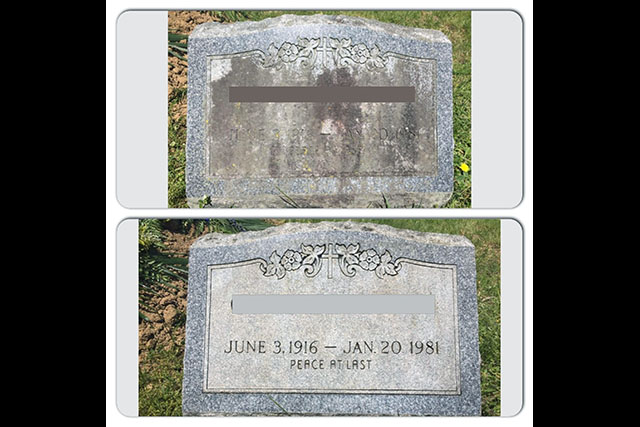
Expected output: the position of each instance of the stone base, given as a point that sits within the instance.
(365, 201)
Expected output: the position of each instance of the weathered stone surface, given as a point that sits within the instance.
(329, 111)
(332, 318)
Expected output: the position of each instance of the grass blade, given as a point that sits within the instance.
(253, 224)
(278, 405)
(288, 200)
(177, 37)
(180, 48)
(177, 56)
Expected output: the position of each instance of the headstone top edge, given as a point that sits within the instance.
(220, 239)
(216, 29)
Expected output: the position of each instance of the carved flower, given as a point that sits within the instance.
(360, 53)
(369, 259)
(378, 59)
(291, 260)
(386, 267)
(288, 52)
(348, 253)
(274, 267)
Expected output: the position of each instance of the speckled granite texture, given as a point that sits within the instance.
(217, 249)
(315, 170)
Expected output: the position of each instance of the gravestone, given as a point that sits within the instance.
(319, 111)
(332, 318)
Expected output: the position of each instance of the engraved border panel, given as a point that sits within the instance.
(308, 53)
(346, 257)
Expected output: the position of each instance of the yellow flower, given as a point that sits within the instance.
(464, 167)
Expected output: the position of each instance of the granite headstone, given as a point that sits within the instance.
(319, 111)
(332, 318)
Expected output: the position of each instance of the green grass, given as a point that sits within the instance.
(160, 383)
(177, 157)
(456, 25)
(160, 378)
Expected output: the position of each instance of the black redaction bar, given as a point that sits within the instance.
(322, 94)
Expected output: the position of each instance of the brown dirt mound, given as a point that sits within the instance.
(168, 310)
(182, 22)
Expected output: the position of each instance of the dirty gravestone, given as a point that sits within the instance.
(319, 111)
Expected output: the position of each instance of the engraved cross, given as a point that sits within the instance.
(325, 50)
(330, 255)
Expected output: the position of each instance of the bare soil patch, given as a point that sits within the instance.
(182, 22)
(167, 311)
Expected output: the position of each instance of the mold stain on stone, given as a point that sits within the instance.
(341, 124)
(409, 149)
(304, 139)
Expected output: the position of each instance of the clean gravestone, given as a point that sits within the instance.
(324, 111)
(333, 318)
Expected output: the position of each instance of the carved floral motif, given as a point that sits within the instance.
(341, 51)
(350, 260)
